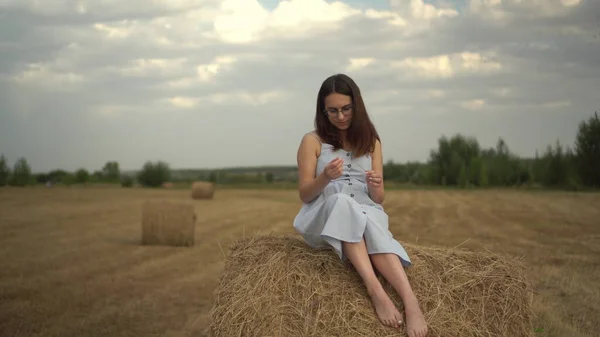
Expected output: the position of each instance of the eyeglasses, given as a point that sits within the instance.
(333, 112)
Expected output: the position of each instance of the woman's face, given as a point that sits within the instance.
(339, 110)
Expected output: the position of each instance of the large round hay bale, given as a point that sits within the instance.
(278, 286)
(168, 223)
(203, 190)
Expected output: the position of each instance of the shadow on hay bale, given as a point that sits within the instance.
(277, 286)
(202, 190)
(168, 223)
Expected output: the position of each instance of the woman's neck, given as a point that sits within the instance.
(342, 138)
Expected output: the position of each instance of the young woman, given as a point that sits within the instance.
(340, 169)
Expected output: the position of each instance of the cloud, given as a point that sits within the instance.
(420, 10)
(44, 76)
(359, 63)
(246, 21)
(447, 66)
(523, 70)
(474, 104)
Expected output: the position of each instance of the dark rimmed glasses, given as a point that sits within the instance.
(333, 112)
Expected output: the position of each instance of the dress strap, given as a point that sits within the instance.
(316, 136)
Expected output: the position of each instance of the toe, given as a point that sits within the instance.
(398, 320)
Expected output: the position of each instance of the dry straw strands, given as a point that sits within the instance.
(168, 223)
(202, 190)
(278, 286)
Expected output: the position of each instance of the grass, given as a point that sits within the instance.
(72, 264)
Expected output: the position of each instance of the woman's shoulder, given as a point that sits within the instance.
(312, 135)
(311, 142)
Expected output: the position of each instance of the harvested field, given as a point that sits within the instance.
(72, 263)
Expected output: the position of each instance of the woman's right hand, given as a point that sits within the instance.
(334, 169)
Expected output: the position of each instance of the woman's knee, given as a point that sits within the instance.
(383, 258)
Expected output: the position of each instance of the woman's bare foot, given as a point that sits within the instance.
(386, 310)
(415, 321)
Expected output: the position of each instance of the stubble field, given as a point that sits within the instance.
(72, 265)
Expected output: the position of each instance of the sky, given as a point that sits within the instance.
(222, 83)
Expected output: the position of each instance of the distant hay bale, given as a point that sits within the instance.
(202, 190)
(167, 185)
(278, 286)
(168, 223)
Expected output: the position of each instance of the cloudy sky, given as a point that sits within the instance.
(219, 83)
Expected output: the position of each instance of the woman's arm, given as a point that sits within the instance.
(309, 187)
(376, 190)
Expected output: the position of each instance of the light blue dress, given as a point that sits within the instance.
(345, 212)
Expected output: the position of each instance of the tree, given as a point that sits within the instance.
(483, 175)
(21, 174)
(82, 176)
(463, 180)
(450, 157)
(587, 151)
(58, 176)
(127, 181)
(69, 179)
(4, 171)
(111, 171)
(96, 176)
(154, 174)
(475, 171)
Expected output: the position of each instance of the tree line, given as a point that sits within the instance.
(458, 161)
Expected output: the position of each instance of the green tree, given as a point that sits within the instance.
(474, 171)
(21, 175)
(451, 155)
(587, 151)
(69, 179)
(111, 172)
(57, 176)
(154, 174)
(41, 178)
(463, 180)
(82, 176)
(96, 176)
(4, 171)
(483, 175)
(126, 181)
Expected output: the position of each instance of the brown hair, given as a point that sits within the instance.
(361, 135)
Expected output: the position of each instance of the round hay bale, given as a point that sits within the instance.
(202, 190)
(278, 286)
(167, 185)
(168, 223)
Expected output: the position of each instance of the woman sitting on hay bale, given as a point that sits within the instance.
(341, 185)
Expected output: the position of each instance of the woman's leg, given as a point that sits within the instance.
(390, 267)
(384, 307)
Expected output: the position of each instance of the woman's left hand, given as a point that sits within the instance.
(374, 179)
